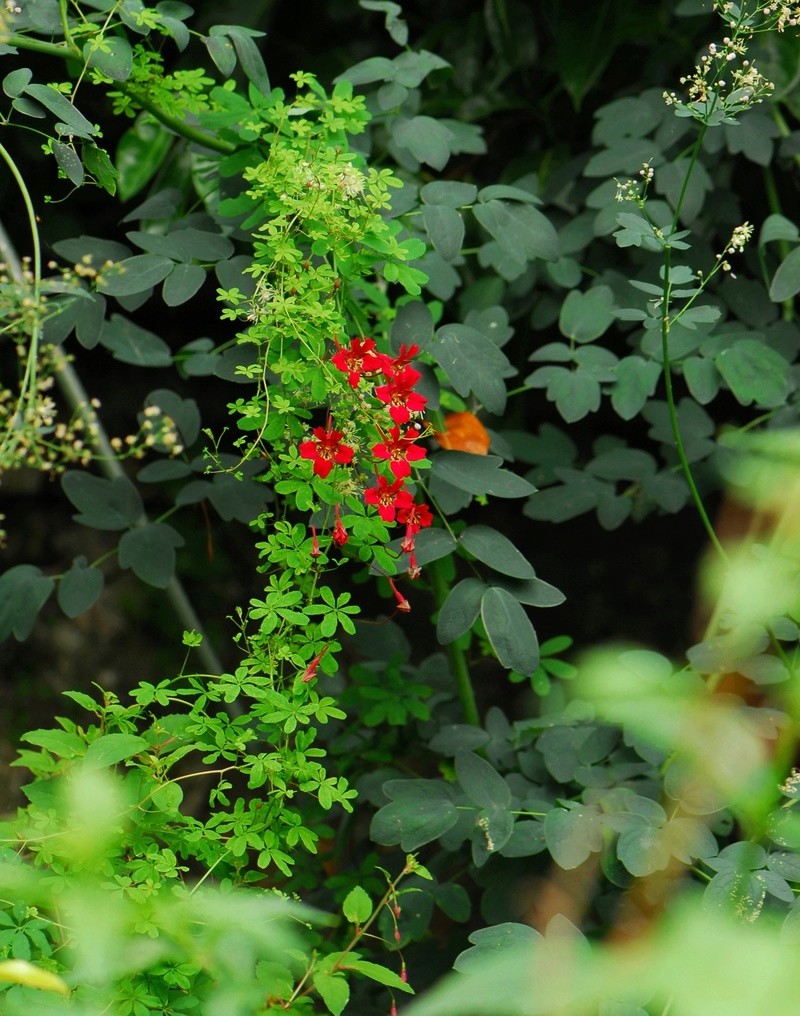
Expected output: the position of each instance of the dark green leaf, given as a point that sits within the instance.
(131, 344)
(395, 26)
(99, 165)
(534, 592)
(786, 283)
(149, 551)
(221, 51)
(250, 59)
(420, 811)
(754, 372)
(101, 503)
(445, 228)
(481, 782)
(79, 589)
(134, 275)
(24, 590)
(427, 139)
(181, 284)
(460, 610)
(413, 325)
(68, 162)
(572, 835)
(60, 106)
(140, 153)
(523, 232)
(586, 316)
(479, 474)
(510, 631)
(15, 82)
(473, 363)
(452, 193)
(497, 551)
(110, 54)
(498, 938)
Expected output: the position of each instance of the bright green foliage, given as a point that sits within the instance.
(370, 282)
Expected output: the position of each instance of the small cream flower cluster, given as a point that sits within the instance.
(157, 429)
(635, 190)
(735, 245)
(709, 89)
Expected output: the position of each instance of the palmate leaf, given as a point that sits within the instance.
(149, 551)
(101, 503)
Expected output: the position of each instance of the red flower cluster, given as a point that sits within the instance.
(361, 361)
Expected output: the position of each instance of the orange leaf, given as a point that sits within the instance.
(464, 432)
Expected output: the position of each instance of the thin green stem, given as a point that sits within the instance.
(456, 656)
(62, 8)
(27, 390)
(175, 124)
(665, 327)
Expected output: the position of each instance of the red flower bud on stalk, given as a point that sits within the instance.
(311, 670)
(402, 602)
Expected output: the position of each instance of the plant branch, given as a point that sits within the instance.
(455, 654)
(76, 395)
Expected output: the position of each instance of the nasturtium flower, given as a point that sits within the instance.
(359, 359)
(326, 449)
(414, 517)
(387, 498)
(399, 395)
(400, 451)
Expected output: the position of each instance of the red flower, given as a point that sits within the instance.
(325, 449)
(387, 497)
(339, 536)
(399, 394)
(357, 360)
(414, 517)
(399, 450)
(392, 364)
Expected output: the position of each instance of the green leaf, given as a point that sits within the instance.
(395, 26)
(183, 412)
(68, 162)
(16, 81)
(24, 590)
(481, 782)
(357, 906)
(109, 749)
(427, 139)
(140, 153)
(586, 316)
(181, 284)
(523, 232)
(572, 835)
(776, 227)
(101, 503)
(79, 589)
(445, 228)
(420, 811)
(250, 59)
(110, 54)
(497, 551)
(473, 363)
(60, 106)
(413, 324)
(452, 193)
(754, 372)
(99, 165)
(378, 973)
(134, 275)
(510, 631)
(460, 610)
(129, 343)
(149, 551)
(479, 474)
(786, 283)
(59, 742)
(333, 990)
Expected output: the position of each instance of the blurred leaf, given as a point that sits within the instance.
(149, 551)
(101, 503)
(79, 588)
